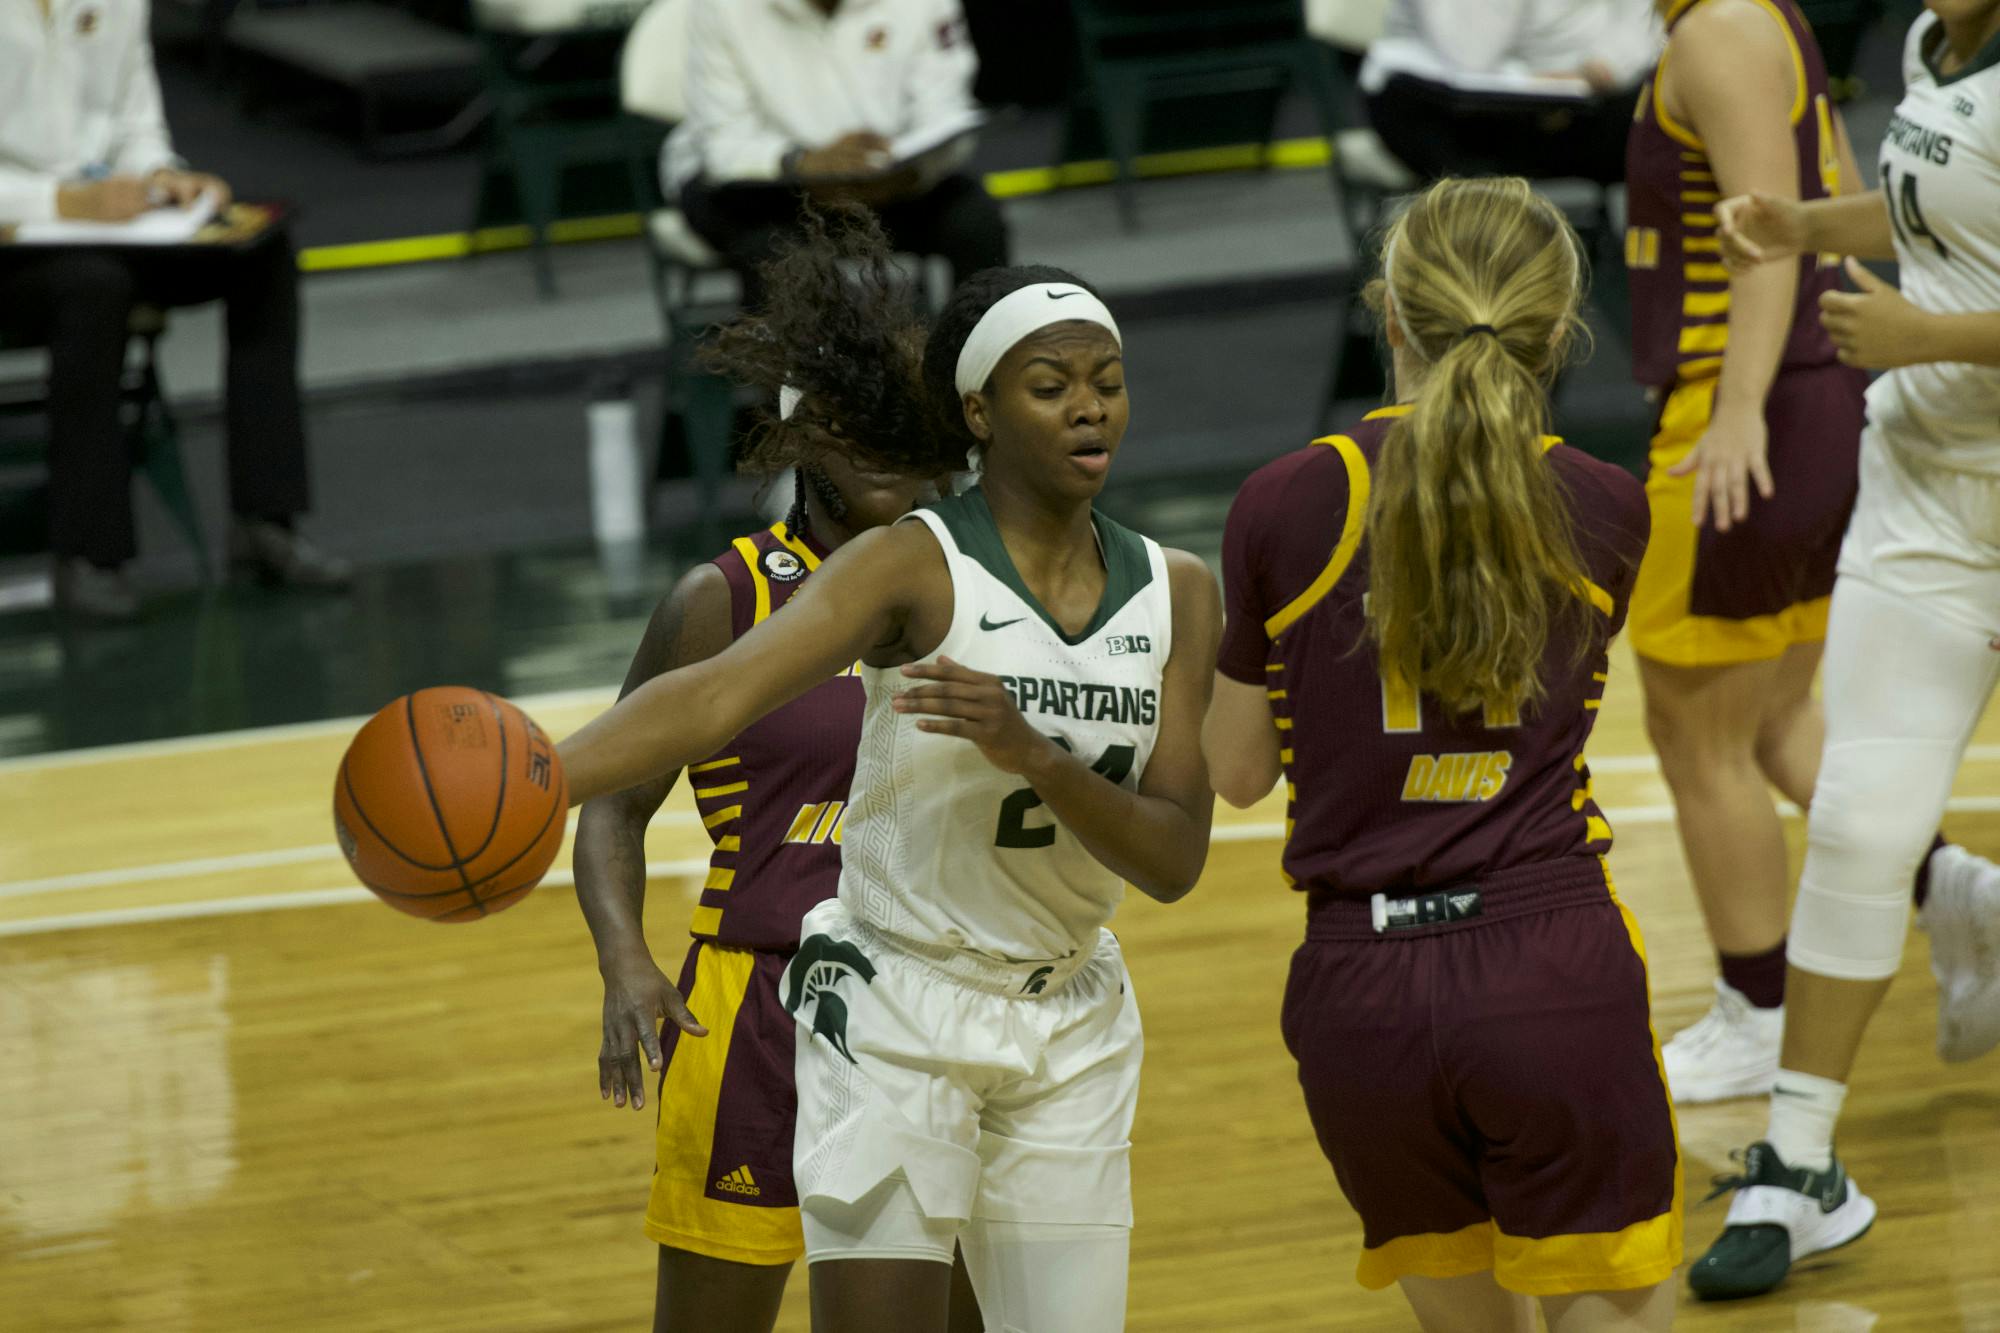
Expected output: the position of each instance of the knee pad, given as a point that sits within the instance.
(1048, 1277)
(1875, 810)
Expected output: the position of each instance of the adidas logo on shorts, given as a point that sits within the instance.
(739, 1182)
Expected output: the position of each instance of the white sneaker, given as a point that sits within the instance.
(1731, 1052)
(1962, 916)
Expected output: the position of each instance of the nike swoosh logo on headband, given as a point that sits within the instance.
(1061, 296)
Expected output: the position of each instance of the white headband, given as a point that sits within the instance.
(1016, 316)
(788, 401)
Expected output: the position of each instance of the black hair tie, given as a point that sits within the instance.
(1471, 329)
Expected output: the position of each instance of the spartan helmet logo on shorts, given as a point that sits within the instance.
(816, 969)
(1038, 981)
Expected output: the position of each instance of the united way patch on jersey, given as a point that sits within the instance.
(780, 564)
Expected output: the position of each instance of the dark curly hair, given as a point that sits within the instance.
(962, 313)
(844, 327)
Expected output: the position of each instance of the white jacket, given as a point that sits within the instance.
(1487, 44)
(78, 97)
(767, 76)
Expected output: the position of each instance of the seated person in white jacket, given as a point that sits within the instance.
(793, 97)
(1536, 88)
(82, 136)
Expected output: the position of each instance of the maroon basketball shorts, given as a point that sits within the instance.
(722, 1185)
(1708, 598)
(1489, 1090)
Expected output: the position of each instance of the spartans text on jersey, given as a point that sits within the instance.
(1083, 700)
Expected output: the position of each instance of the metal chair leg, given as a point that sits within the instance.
(157, 441)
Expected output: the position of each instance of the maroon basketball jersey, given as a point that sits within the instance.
(773, 798)
(1389, 791)
(1680, 290)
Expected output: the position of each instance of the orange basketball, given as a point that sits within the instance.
(450, 804)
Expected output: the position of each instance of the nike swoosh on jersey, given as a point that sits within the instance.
(984, 623)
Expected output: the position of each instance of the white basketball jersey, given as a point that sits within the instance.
(1941, 179)
(941, 847)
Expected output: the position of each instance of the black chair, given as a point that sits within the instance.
(151, 430)
(380, 54)
(692, 285)
(1134, 54)
(551, 71)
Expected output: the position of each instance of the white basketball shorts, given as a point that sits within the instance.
(1926, 533)
(998, 1091)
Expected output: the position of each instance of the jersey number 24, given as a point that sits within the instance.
(1114, 765)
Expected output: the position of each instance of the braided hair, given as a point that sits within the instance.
(843, 327)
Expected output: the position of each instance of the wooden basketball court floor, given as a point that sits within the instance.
(237, 1093)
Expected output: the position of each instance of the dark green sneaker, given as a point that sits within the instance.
(1780, 1214)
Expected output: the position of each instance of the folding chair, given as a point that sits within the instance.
(551, 75)
(692, 285)
(1134, 53)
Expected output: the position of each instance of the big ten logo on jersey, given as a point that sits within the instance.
(818, 823)
(1084, 700)
(1475, 776)
(1118, 645)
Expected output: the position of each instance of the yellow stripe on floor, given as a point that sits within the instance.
(1282, 154)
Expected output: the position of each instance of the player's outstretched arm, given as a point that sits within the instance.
(691, 624)
(863, 599)
(1156, 837)
(1760, 228)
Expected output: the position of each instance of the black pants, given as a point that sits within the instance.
(78, 302)
(1437, 131)
(747, 222)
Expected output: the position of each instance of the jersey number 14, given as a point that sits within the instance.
(1900, 193)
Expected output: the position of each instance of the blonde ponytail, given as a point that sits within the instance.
(1472, 564)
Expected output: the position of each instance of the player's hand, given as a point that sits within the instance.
(858, 154)
(1729, 459)
(1875, 328)
(1758, 228)
(113, 199)
(182, 188)
(959, 701)
(637, 995)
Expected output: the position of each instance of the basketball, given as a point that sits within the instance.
(450, 804)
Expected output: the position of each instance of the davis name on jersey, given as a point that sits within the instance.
(942, 848)
(1941, 182)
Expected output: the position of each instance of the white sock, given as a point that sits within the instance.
(1804, 1108)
